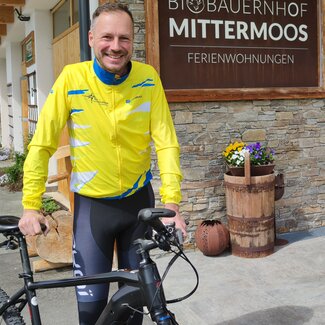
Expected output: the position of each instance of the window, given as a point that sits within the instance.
(32, 103)
(65, 14)
(75, 8)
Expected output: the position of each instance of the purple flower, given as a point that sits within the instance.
(260, 154)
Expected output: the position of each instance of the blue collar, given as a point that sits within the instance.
(109, 78)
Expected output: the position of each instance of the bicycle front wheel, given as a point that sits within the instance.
(12, 315)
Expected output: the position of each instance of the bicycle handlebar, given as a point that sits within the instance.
(151, 217)
(165, 235)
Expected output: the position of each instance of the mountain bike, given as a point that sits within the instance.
(139, 288)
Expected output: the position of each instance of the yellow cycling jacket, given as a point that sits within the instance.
(111, 123)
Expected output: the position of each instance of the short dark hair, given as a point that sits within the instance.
(111, 7)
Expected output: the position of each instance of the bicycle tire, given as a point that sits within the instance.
(12, 315)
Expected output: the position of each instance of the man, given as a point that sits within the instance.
(114, 108)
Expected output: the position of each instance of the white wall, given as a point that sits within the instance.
(43, 53)
(4, 136)
(41, 24)
(13, 65)
(93, 4)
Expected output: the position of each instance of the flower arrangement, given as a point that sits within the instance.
(260, 154)
(235, 154)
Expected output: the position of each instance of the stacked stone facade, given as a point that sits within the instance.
(294, 128)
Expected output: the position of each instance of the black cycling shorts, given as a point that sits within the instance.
(97, 224)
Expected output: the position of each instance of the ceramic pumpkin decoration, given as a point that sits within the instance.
(212, 237)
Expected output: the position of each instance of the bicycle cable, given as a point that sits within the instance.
(179, 253)
(171, 262)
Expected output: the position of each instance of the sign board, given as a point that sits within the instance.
(239, 45)
(28, 50)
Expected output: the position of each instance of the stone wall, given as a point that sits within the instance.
(294, 128)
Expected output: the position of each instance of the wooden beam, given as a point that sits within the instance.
(12, 2)
(3, 29)
(6, 15)
(101, 2)
(152, 34)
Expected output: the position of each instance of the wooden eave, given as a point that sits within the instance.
(3, 29)
(6, 14)
(7, 10)
(12, 2)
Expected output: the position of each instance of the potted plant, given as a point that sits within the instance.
(250, 200)
(261, 158)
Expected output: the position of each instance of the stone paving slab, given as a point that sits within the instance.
(10, 202)
(287, 287)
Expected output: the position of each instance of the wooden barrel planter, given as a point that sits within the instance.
(250, 212)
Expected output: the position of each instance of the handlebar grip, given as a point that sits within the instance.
(151, 217)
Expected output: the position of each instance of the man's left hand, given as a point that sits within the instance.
(178, 219)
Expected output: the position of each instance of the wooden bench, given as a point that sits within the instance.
(64, 164)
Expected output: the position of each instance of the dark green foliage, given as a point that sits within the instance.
(49, 205)
(15, 172)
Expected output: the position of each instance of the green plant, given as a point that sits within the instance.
(49, 205)
(15, 172)
(2, 170)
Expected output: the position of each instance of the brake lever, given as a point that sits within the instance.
(162, 240)
(176, 234)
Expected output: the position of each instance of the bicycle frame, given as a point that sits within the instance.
(140, 288)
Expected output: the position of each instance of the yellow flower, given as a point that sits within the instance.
(232, 148)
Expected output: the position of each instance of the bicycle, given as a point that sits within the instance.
(141, 288)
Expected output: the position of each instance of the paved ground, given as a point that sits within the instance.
(285, 288)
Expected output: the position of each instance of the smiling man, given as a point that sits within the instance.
(111, 36)
(114, 108)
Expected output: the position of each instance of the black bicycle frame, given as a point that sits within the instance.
(149, 293)
(141, 288)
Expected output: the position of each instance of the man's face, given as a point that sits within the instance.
(112, 41)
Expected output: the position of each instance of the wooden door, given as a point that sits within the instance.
(66, 50)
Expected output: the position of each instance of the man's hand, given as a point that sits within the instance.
(178, 219)
(29, 223)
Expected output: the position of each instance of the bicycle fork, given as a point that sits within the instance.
(153, 294)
